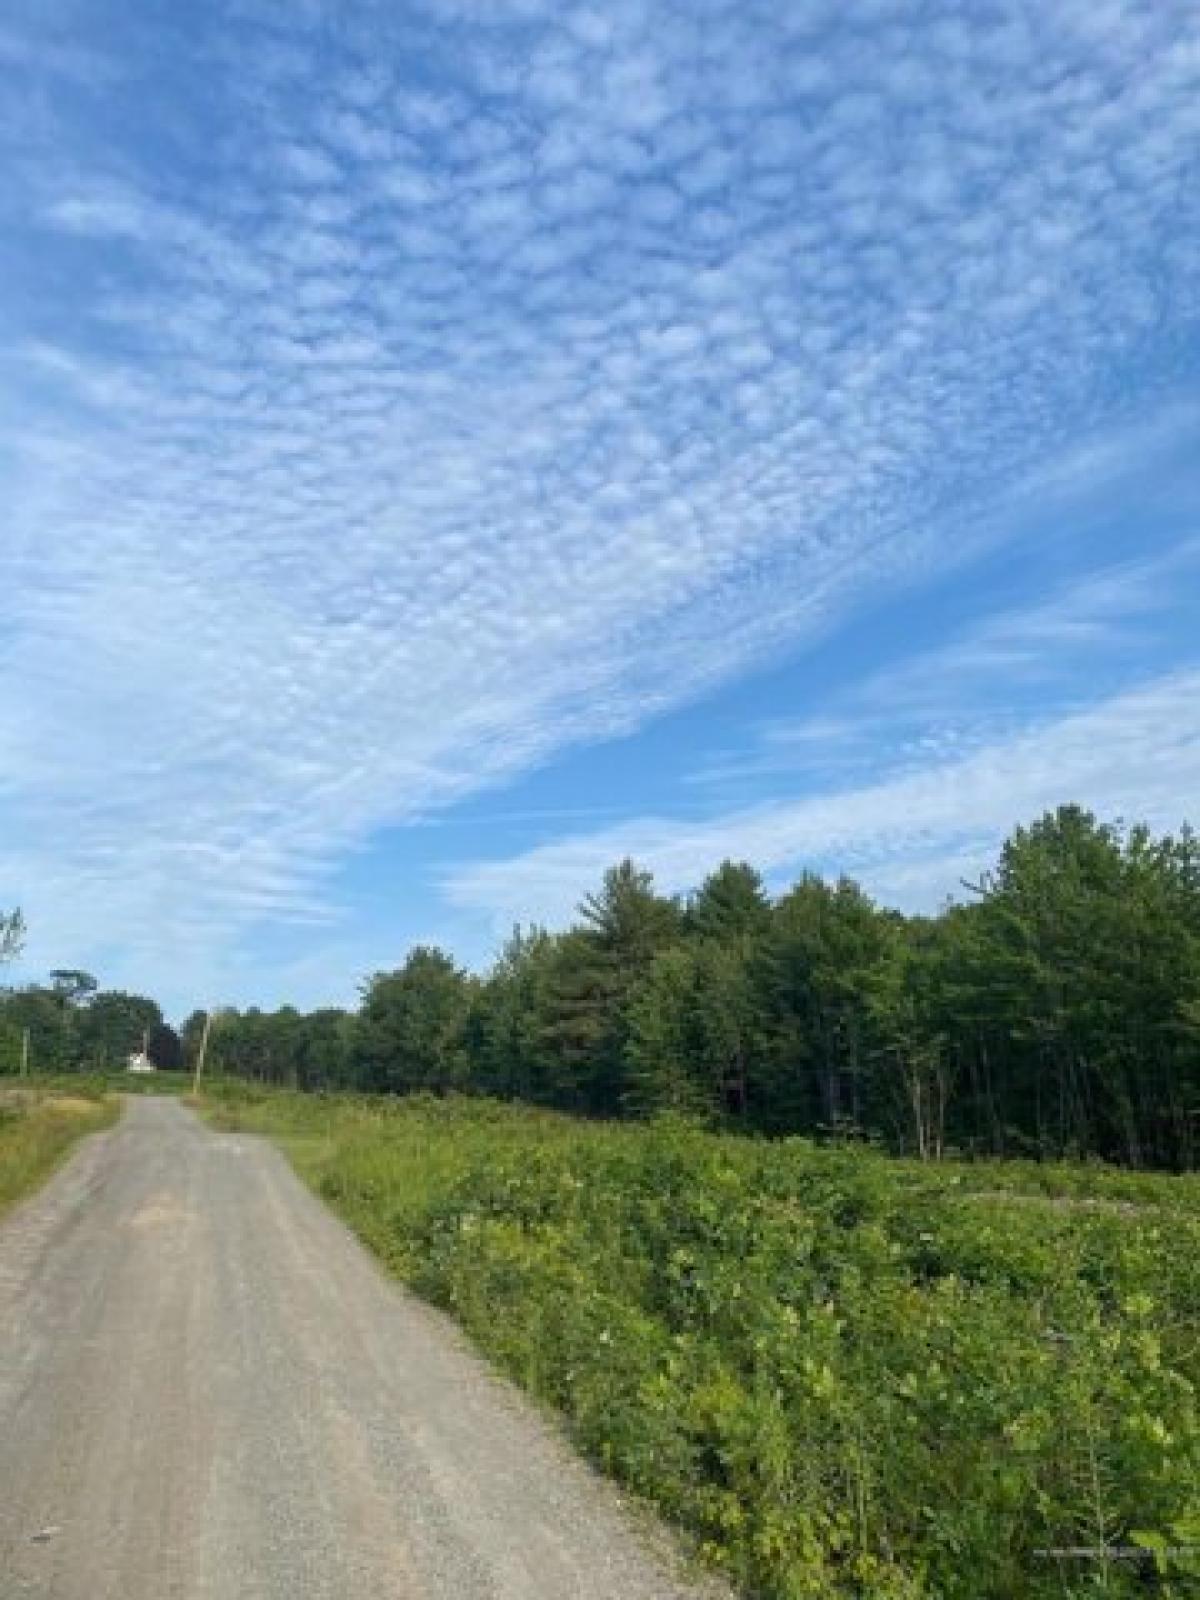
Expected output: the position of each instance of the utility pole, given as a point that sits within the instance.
(203, 1051)
(25, 1053)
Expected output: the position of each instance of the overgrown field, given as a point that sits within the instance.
(39, 1125)
(844, 1374)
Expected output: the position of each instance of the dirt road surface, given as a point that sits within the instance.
(209, 1391)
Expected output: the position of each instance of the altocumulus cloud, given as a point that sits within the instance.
(403, 393)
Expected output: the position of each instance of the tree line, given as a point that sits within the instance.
(1056, 1012)
(70, 1024)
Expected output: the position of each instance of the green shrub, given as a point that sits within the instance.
(844, 1375)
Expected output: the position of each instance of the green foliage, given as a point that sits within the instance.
(510, 1040)
(164, 1047)
(596, 969)
(72, 1025)
(1055, 1014)
(40, 1014)
(730, 906)
(302, 1050)
(69, 1024)
(692, 1028)
(38, 1126)
(842, 1373)
(817, 962)
(113, 1025)
(410, 1031)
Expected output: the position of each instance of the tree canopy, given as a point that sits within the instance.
(71, 1024)
(1056, 1011)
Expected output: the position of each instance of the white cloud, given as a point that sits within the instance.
(987, 680)
(911, 838)
(555, 366)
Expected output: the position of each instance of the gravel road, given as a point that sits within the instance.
(208, 1390)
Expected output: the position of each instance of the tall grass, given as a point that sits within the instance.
(38, 1126)
(845, 1375)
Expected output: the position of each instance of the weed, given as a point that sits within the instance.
(844, 1374)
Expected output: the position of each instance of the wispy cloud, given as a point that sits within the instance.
(992, 678)
(911, 838)
(408, 392)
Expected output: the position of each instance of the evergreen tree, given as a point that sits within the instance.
(511, 1054)
(822, 944)
(595, 968)
(731, 904)
(693, 1023)
(1058, 1011)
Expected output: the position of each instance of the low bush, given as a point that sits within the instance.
(843, 1374)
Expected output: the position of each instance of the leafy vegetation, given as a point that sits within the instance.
(70, 1024)
(38, 1126)
(1057, 1013)
(845, 1374)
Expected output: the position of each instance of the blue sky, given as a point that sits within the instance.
(446, 446)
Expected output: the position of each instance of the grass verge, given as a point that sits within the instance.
(39, 1125)
(845, 1375)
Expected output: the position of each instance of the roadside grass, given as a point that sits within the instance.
(113, 1080)
(845, 1375)
(40, 1122)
